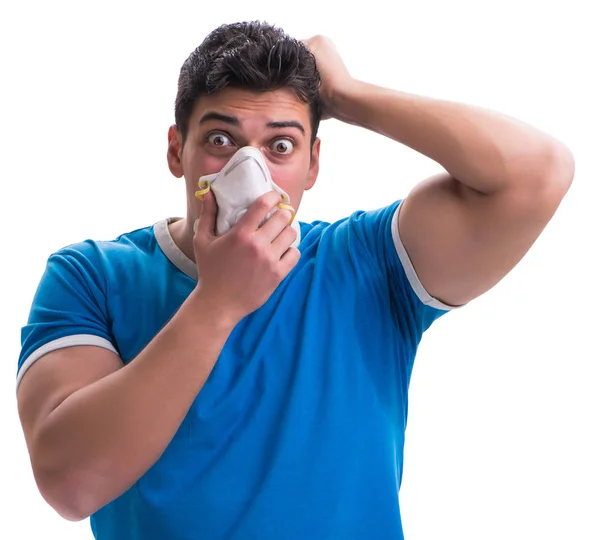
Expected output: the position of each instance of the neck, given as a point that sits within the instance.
(183, 235)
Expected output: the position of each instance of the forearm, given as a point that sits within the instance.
(104, 437)
(484, 150)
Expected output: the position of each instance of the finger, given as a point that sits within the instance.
(273, 227)
(283, 242)
(208, 216)
(289, 259)
(258, 211)
(203, 189)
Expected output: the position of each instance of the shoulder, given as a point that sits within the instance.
(96, 264)
(361, 229)
(93, 252)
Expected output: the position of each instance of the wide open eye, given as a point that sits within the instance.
(219, 140)
(282, 146)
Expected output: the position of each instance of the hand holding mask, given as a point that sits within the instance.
(240, 182)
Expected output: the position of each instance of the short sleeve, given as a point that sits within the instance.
(374, 235)
(69, 307)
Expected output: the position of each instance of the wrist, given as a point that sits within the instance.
(346, 100)
(212, 312)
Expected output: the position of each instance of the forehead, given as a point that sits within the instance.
(275, 105)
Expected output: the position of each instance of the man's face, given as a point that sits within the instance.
(277, 123)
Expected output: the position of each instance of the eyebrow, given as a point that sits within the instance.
(291, 123)
(233, 121)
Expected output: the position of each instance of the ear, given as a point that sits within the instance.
(175, 151)
(313, 171)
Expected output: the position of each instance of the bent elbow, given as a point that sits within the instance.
(64, 493)
(557, 171)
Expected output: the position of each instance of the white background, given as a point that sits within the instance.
(502, 440)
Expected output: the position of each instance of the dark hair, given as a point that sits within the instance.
(249, 55)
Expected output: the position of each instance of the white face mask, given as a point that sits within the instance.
(243, 179)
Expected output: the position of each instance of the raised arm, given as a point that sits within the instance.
(466, 228)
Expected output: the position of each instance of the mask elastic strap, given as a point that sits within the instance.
(204, 189)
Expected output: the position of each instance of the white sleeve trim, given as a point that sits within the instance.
(61, 343)
(409, 269)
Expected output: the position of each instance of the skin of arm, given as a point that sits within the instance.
(466, 228)
(93, 427)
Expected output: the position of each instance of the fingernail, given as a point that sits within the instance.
(289, 209)
(195, 226)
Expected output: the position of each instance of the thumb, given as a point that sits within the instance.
(206, 223)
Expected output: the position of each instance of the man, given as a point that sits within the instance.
(178, 384)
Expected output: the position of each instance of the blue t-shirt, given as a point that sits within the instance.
(299, 430)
